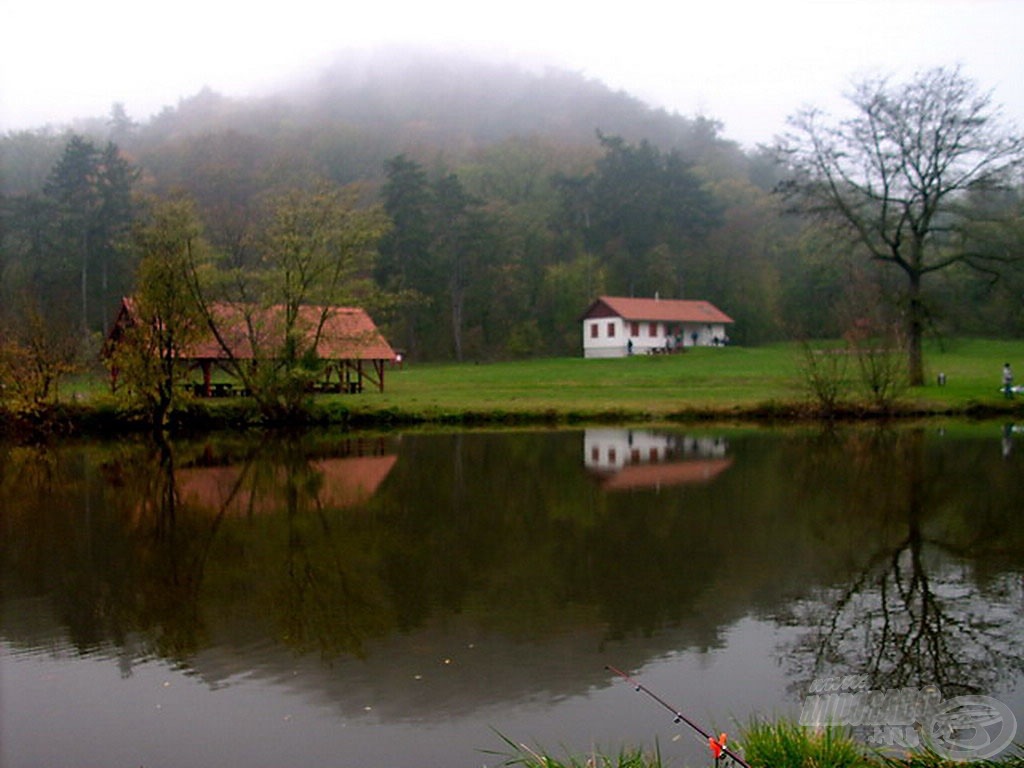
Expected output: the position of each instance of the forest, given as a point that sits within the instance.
(478, 210)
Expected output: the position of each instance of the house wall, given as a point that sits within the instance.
(614, 334)
(610, 339)
(705, 334)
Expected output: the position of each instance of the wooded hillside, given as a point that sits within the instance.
(514, 197)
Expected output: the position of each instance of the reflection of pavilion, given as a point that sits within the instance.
(624, 459)
(233, 489)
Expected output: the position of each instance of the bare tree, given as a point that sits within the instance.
(896, 174)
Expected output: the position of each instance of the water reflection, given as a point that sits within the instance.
(1010, 433)
(430, 578)
(630, 459)
(927, 602)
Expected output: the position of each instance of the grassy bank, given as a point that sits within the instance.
(755, 383)
(782, 744)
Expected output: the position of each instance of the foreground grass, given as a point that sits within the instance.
(781, 744)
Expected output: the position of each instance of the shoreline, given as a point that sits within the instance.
(108, 420)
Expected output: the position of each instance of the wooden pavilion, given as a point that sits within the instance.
(345, 339)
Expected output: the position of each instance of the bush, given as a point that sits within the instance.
(823, 375)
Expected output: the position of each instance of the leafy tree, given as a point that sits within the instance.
(25, 266)
(404, 267)
(228, 173)
(26, 160)
(91, 189)
(167, 317)
(641, 209)
(434, 256)
(36, 352)
(459, 233)
(741, 260)
(894, 177)
(566, 287)
(316, 248)
(121, 126)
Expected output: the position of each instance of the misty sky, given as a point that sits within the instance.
(748, 64)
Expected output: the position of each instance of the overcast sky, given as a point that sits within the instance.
(748, 64)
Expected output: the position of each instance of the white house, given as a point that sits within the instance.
(615, 326)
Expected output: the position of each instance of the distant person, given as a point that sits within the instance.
(1007, 380)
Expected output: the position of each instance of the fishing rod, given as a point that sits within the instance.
(716, 744)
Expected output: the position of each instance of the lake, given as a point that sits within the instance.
(408, 600)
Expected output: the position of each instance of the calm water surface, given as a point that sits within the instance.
(399, 600)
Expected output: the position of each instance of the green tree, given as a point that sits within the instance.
(642, 210)
(91, 189)
(404, 267)
(36, 352)
(433, 256)
(894, 177)
(316, 249)
(122, 128)
(25, 266)
(167, 317)
(460, 232)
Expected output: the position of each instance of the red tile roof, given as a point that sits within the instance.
(348, 333)
(665, 310)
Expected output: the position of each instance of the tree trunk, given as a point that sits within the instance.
(457, 301)
(85, 286)
(915, 332)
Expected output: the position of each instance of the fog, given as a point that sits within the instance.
(746, 64)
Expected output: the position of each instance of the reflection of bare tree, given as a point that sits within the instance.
(911, 617)
(327, 598)
(174, 546)
(211, 527)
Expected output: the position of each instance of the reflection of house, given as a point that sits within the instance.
(345, 339)
(625, 458)
(233, 490)
(615, 326)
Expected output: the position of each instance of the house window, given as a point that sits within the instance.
(611, 330)
(593, 330)
(635, 329)
(653, 330)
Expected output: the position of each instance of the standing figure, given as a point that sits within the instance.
(1007, 380)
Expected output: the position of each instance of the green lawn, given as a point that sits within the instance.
(732, 382)
(706, 379)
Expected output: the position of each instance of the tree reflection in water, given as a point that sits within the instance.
(883, 544)
(928, 603)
